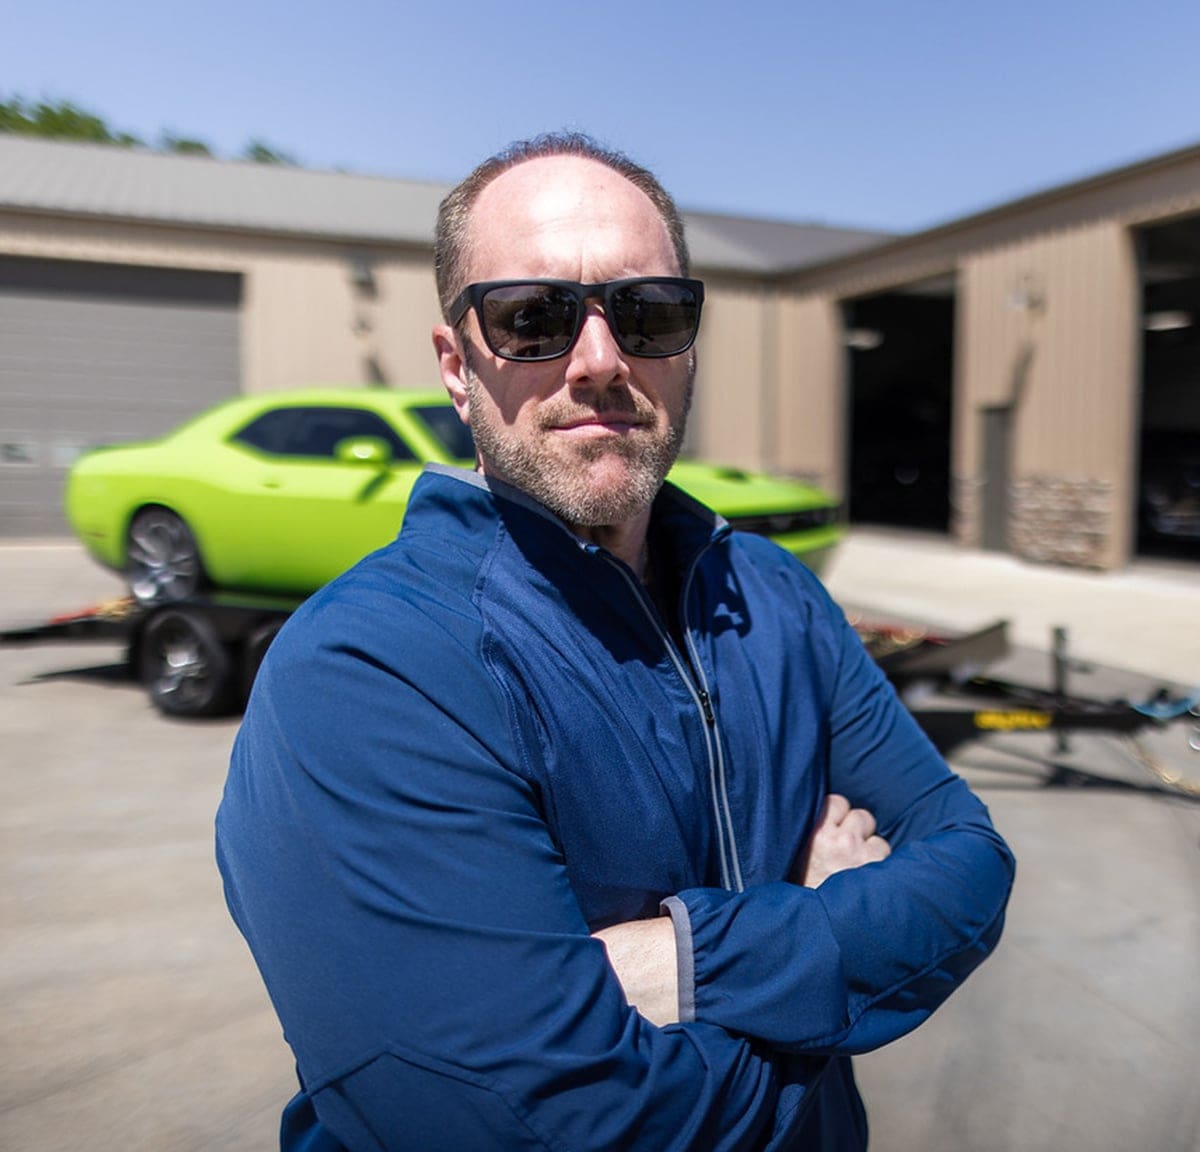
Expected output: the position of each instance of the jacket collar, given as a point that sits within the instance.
(679, 524)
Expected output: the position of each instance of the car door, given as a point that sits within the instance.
(301, 513)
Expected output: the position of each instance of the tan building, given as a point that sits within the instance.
(993, 378)
(1060, 366)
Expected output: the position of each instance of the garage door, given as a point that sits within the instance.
(96, 354)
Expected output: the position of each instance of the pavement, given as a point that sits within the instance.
(1082, 1032)
(135, 1021)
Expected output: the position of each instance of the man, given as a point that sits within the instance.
(570, 745)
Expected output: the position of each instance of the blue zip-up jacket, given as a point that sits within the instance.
(485, 741)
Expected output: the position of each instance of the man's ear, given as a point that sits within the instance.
(452, 365)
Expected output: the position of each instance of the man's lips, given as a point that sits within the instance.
(602, 422)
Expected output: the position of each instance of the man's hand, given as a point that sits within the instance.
(642, 954)
(843, 838)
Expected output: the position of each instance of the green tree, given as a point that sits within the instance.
(185, 145)
(262, 153)
(59, 119)
(62, 120)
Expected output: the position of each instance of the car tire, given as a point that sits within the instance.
(162, 559)
(184, 666)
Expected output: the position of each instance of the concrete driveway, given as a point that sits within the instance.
(134, 1019)
(133, 1016)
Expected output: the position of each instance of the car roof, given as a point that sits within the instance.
(335, 394)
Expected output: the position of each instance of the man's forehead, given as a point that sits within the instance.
(557, 195)
(559, 181)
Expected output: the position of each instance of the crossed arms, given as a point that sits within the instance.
(643, 952)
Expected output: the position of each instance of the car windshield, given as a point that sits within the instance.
(448, 430)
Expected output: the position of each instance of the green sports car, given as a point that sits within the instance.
(279, 492)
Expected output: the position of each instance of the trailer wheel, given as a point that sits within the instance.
(185, 668)
(253, 652)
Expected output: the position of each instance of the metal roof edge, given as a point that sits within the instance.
(1034, 202)
(355, 239)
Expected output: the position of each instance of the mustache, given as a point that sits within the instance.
(612, 402)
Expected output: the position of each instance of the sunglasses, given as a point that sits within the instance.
(651, 316)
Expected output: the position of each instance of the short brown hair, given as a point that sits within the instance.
(454, 213)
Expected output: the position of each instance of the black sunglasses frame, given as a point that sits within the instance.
(472, 296)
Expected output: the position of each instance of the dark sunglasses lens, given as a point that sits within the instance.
(529, 321)
(655, 319)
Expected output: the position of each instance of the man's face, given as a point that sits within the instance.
(592, 434)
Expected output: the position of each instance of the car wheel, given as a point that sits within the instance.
(184, 666)
(163, 562)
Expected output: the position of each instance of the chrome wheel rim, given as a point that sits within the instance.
(162, 560)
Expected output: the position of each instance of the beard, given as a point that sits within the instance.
(592, 483)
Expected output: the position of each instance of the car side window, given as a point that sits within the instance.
(451, 432)
(315, 432)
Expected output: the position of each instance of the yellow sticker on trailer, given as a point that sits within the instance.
(1017, 721)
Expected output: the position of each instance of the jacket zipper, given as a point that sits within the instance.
(717, 774)
(697, 686)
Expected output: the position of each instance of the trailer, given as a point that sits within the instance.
(944, 682)
(199, 656)
(194, 657)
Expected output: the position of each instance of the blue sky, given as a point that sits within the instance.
(866, 114)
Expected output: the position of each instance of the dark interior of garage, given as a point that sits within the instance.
(1168, 513)
(900, 347)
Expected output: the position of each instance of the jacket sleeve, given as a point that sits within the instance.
(870, 954)
(411, 917)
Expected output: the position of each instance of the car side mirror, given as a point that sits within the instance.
(364, 450)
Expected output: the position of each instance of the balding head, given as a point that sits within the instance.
(452, 240)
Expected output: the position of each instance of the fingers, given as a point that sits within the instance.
(843, 837)
(877, 848)
(836, 812)
(860, 822)
(835, 809)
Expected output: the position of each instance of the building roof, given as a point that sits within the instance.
(1155, 189)
(767, 246)
(113, 183)
(109, 182)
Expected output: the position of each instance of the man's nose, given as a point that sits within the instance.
(596, 359)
